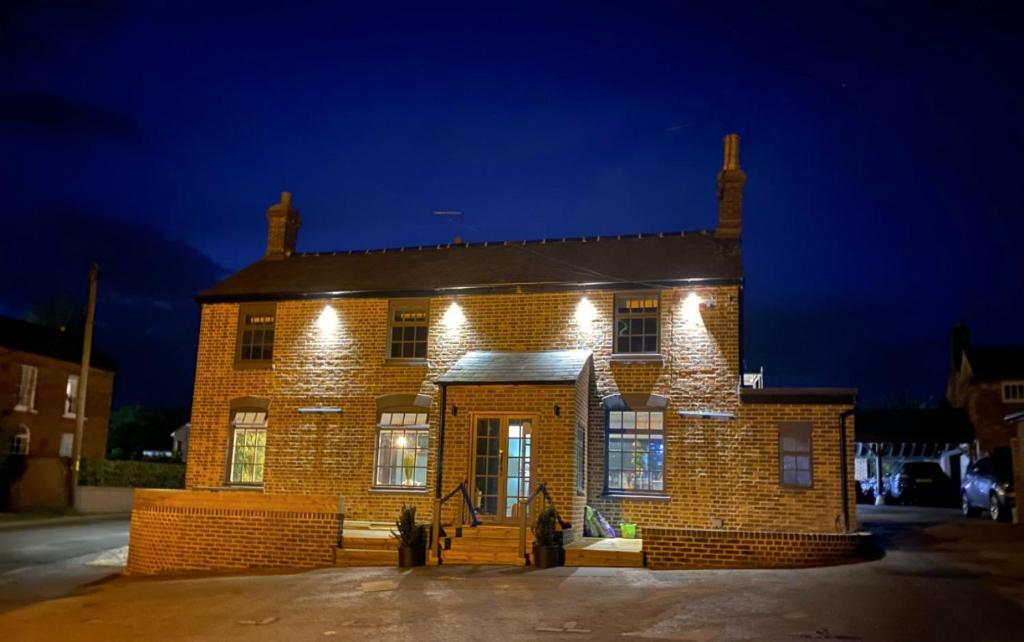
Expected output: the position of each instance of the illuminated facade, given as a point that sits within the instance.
(607, 369)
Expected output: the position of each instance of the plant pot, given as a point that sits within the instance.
(627, 530)
(410, 556)
(546, 556)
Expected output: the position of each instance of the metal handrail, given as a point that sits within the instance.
(466, 503)
(524, 509)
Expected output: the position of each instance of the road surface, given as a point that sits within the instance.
(42, 560)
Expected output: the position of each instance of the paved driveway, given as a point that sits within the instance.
(943, 578)
(48, 559)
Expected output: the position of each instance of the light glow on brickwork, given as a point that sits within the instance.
(691, 310)
(586, 314)
(327, 322)
(453, 317)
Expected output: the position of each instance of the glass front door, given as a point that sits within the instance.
(501, 466)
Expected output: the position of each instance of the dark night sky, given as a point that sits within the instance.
(883, 144)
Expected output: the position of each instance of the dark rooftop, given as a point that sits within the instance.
(555, 366)
(996, 363)
(639, 260)
(16, 334)
(914, 425)
(840, 396)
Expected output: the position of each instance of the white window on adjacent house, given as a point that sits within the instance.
(795, 454)
(71, 397)
(248, 447)
(67, 444)
(21, 441)
(27, 388)
(403, 440)
(1013, 391)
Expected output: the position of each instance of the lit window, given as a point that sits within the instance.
(71, 397)
(795, 454)
(27, 388)
(581, 459)
(248, 446)
(408, 330)
(256, 335)
(1013, 391)
(636, 451)
(636, 323)
(21, 440)
(403, 440)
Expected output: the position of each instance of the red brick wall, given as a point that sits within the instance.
(678, 548)
(203, 530)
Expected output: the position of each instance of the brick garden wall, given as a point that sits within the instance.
(173, 531)
(678, 548)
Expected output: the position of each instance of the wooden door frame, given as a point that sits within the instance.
(504, 417)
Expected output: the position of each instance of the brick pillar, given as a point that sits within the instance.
(730, 190)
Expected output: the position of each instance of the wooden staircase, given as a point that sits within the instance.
(367, 544)
(483, 545)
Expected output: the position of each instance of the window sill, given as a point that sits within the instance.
(70, 416)
(657, 497)
(31, 411)
(398, 491)
(639, 357)
(254, 365)
(401, 361)
(794, 489)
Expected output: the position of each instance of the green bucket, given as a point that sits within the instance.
(628, 531)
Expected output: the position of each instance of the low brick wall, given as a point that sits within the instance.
(185, 530)
(690, 548)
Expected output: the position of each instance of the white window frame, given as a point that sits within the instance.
(71, 397)
(412, 424)
(1015, 390)
(21, 442)
(27, 389)
(248, 423)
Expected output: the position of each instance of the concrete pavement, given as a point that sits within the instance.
(943, 578)
(44, 559)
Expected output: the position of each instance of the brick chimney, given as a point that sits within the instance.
(959, 340)
(730, 190)
(283, 224)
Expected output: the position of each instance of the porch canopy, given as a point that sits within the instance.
(483, 368)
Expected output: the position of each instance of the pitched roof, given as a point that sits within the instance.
(995, 364)
(555, 366)
(621, 261)
(16, 334)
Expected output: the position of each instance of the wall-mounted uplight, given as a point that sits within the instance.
(692, 306)
(453, 316)
(586, 313)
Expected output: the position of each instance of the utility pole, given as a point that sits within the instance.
(83, 380)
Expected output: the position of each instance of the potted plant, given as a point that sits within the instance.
(409, 469)
(547, 551)
(412, 549)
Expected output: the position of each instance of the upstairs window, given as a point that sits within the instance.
(27, 388)
(636, 323)
(636, 451)
(71, 397)
(248, 447)
(403, 440)
(1013, 391)
(408, 330)
(795, 454)
(256, 336)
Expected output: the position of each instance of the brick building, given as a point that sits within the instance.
(988, 383)
(333, 388)
(39, 370)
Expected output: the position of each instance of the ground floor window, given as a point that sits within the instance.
(21, 440)
(403, 440)
(248, 447)
(636, 451)
(795, 454)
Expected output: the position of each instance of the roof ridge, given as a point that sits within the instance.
(510, 242)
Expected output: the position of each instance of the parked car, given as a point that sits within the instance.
(988, 487)
(921, 482)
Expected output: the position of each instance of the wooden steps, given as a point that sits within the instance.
(609, 552)
(484, 545)
(366, 544)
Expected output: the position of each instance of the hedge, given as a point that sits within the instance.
(134, 474)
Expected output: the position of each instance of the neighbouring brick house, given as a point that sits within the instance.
(988, 383)
(331, 389)
(39, 370)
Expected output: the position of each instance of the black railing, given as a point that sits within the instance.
(465, 505)
(525, 510)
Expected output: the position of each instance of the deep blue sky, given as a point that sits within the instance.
(883, 144)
